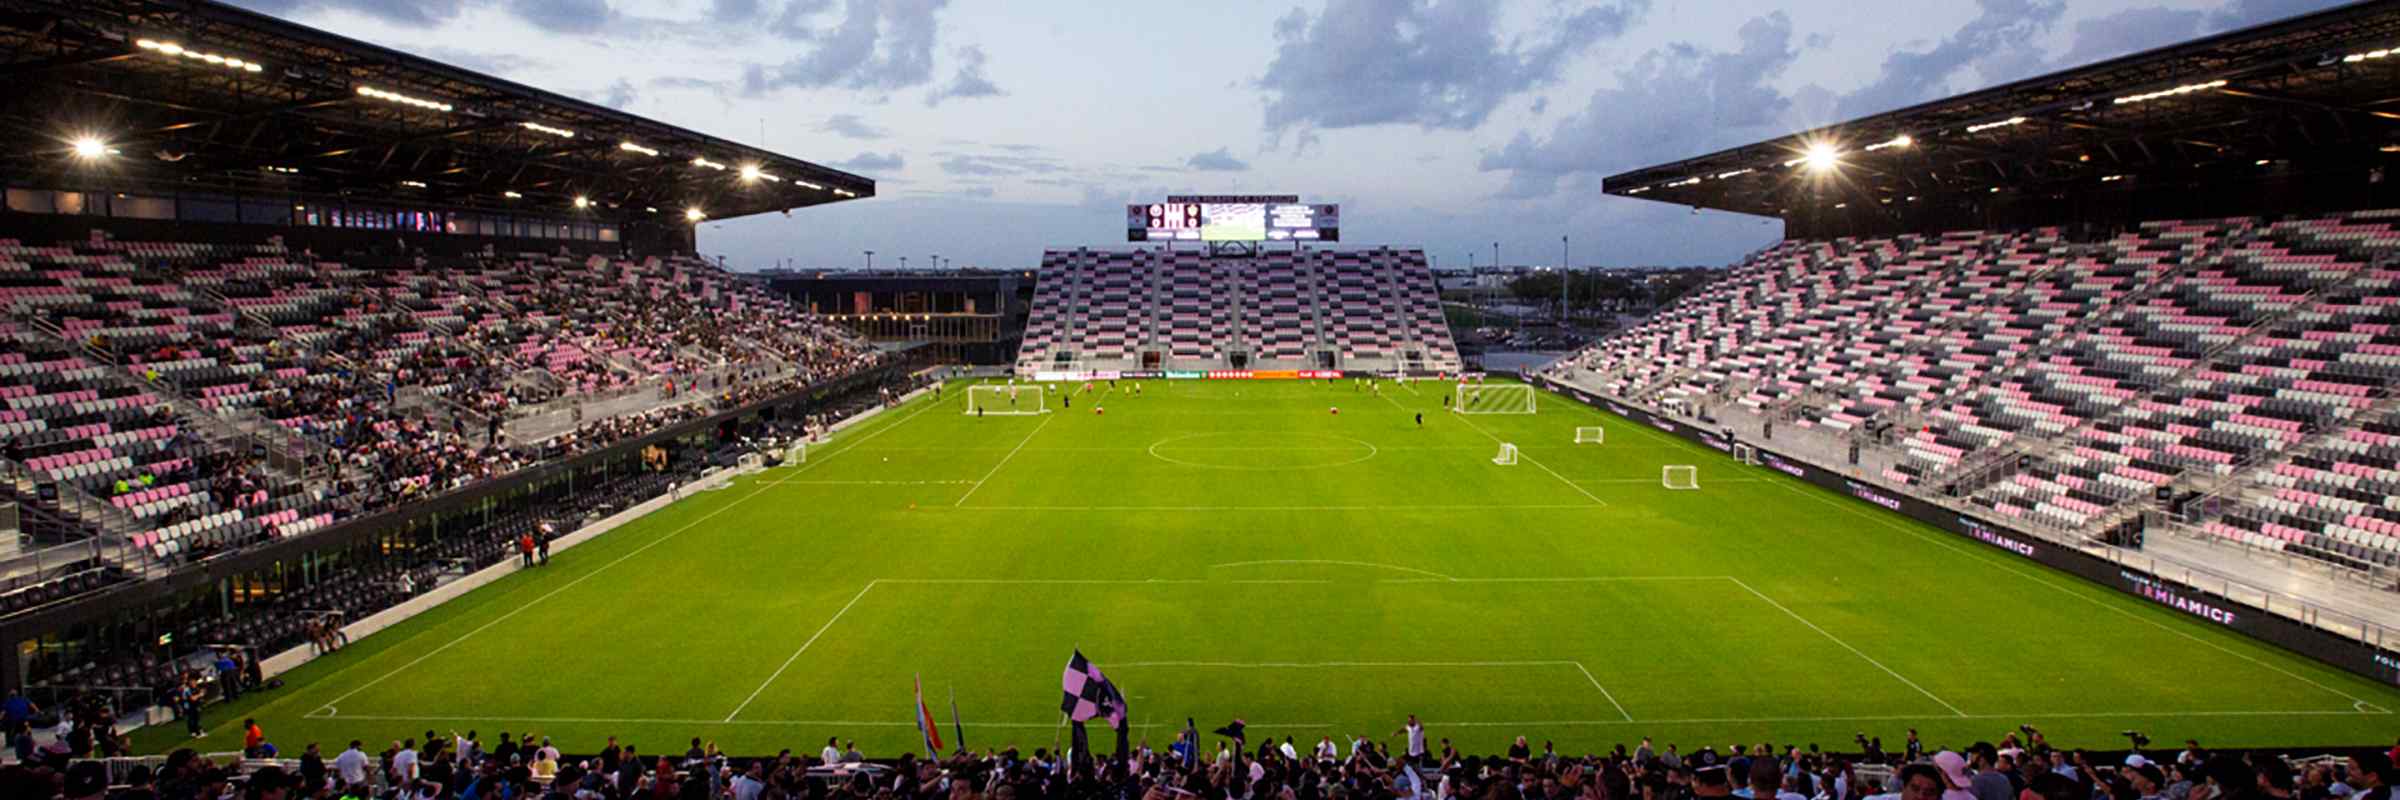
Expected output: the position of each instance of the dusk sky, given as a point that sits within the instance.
(996, 129)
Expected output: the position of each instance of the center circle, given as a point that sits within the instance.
(1262, 452)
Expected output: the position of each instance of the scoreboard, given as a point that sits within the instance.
(1233, 218)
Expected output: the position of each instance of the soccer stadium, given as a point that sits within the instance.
(376, 427)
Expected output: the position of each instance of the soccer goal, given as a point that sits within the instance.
(1590, 435)
(994, 400)
(1680, 476)
(1745, 454)
(1494, 398)
(1507, 456)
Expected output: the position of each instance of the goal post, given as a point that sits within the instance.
(995, 400)
(1745, 454)
(1493, 398)
(1592, 434)
(1680, 476)
(1507, 456)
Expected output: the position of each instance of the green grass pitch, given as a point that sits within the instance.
(1230, 549)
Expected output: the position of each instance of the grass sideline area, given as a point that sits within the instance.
(1235, 548)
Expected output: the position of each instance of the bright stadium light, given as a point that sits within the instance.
(511, 195)
(396, 97)
(537, 127)
(750, 173)
(2179, 90)
(2010, 122)
(1822, 157)
(1901, 141)
(635, 148)
(705, 163)
(583, 202)
(90, 148)
(694, 214)
(177, 50)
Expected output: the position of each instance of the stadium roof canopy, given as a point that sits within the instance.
(197, 95)
(2315, 96)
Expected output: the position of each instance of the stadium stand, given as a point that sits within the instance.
(2053, 381)
(1368, 310)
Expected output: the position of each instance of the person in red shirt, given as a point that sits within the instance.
(253, 738)
(525, 550)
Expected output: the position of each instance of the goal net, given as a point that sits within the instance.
(1507, 456)
(1590, 435)
(1745, 454)
(1680, 476)
(1496, 398)
(989, 400)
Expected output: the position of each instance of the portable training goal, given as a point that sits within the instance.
(997, 400)
(1745, 454)
(1590, 435)
(1507, 456)
(1680, 476)
(1493, 398)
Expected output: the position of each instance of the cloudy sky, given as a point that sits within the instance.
(999, 127)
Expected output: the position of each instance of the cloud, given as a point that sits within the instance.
(416, 13)
(986, 164)
(877, 45)
(1690, 101)
(1998, 43)
(873, 162)
(497, 64)
(565, 16)
(1219, 160)
(969, 82)
(1435, 64)
(852, 127)
(977, 191)
(619, 95)
(2129, 31)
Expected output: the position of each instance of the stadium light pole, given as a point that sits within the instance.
(1566, 277)
(870, 261)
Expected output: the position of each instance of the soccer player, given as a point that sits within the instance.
(1420, 419)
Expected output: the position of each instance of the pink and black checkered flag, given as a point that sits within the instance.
(1089, 694)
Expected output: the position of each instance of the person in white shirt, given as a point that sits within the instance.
(1327, 750)
(404, 763)
(1290, 753)
(351, 765)
(1416, 739)
(832, 754)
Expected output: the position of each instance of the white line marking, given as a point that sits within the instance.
(812, 639)
(1012, 454)
(1521, 451)
(1042, 581)
(1336, 664)
(2007, 567)
(788, 482)
(1218, 509)
(1313, 561)
(852, 723)
(520, 608)
(1565, 579)
(1612, 699)
(1520, 454)
(1845, 645)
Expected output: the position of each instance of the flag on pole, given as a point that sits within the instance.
(1089, 694)
(925, 724)
(955, 725)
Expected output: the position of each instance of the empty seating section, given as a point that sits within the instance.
(108, 348)
(1367, 309)
(2076, 376)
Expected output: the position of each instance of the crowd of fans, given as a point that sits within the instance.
(463, 766)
